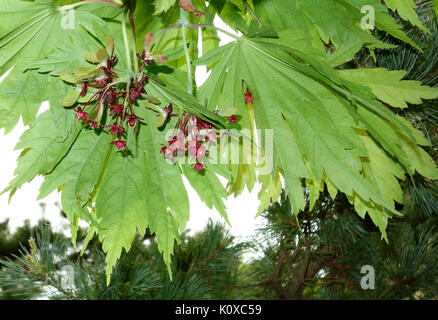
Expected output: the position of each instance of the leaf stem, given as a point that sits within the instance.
(193, 26)
(126, 42)
(77, 4)
(253, 13)
(203, 25)
(184, 23)
(134, 37)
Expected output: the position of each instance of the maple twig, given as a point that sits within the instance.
(125, 39)
(134, 37)
(253, 13)
(203, 25)
(193, 26)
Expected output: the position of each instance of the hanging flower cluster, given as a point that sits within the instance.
(119, 102)
(100, 90)
(191, 138)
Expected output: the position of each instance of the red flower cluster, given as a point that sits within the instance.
(191, 134)
(190, 138)
(233, 118)
(118, 102)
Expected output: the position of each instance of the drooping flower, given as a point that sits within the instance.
(80, 114)
(168, 152)
(199, 166)
(110, 62)
(233, 118)
(192, 138)
(177, 145)
(94, 125)
(84, 89)
(134, 94)
(201, 124)
(116, 109)
(110, 97)
(143, 81)
(105, 79)
(115, 128)
(132, 120)
(146, 57)
(120, 144)
(168, 109)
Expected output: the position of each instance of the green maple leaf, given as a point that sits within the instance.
(406, 10)
(167, 200)
(121, 205)
(271, 190)
(121, 194)
(312, 23)
(314, 114)
(78, 173)
(383, 172)
(163, 5)
(67, 56)
(209, 189)
(42, 149)
(171, 93)
(29, 32)
(389, 87)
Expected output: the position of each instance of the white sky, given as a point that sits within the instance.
(241, 210)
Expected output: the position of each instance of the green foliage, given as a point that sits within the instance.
(30, 31)
(42, 149)
(406, 10)
(389, 87)
(305, 260)
(163, 5)
(306, 24)
(317, 133)
(331, 129)
(292, 257)
(205, 266)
